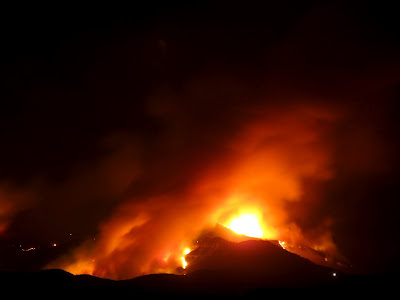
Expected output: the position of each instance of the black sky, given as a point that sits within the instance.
(82, 87)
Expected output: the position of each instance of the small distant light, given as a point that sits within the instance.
(28, 249)
(334, 274)
(54, 245)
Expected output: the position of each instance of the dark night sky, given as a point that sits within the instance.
(84, 89)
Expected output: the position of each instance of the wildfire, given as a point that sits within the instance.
(186, 251)
(254, 190)
(184, 262)
(247, 224)
(283, 244)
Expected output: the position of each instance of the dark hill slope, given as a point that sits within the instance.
(258, 262)
(216, 267)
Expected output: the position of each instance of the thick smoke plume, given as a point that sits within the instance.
(138, 141)
(263, 158)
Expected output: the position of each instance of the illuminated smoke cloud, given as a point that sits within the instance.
(143, 141)
(257, 158)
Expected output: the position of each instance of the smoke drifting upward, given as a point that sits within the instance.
(157, 135)
(12, 201)
(249, 157)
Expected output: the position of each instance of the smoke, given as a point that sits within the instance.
(13, 200)
(211, 160)
(208, 161)
(291, 130)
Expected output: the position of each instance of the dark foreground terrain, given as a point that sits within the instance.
(246, 268)
(61, 283)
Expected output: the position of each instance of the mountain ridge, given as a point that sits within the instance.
(232, 269)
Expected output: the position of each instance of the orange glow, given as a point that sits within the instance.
(82, 267)
(262, 184)
(247, 224)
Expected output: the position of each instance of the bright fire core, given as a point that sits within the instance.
(247, 224)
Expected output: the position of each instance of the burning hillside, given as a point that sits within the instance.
(125, 142)
(252, 187)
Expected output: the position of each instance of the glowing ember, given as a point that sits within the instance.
(247, 224)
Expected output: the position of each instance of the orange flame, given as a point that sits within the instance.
(247, 224)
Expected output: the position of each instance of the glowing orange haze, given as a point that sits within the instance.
(263, 172)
